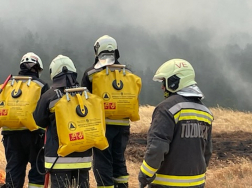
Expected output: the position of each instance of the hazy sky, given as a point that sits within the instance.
(212, 35)
(228, 21)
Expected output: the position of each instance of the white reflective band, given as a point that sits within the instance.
(91, 73)
(147, 170)
(31, 185)
(121, 179)
(17, 129)
(68, 165)
(179, 181)
(68, 159)
(124, 122)
(52, 103)
(188, 105)
(38, 82)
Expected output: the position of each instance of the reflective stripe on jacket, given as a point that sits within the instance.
(123, 122)
(32, 185)
(68, 162)
(179, 181)
(121, 179)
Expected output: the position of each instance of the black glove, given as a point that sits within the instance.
(144, 179)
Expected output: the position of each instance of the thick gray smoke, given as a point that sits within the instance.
(214, 37)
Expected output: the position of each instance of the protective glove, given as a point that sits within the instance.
(144, 179)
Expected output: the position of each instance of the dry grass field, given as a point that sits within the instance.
(231, 163)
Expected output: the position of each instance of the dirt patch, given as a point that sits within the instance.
(227, 147)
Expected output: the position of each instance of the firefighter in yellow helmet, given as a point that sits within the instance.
(22, 145)
(179, 144)
(75, 166)
(109, 165)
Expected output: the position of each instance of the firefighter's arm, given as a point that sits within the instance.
(208, 150)
(159, 138)
(41, 113)
(85, 82)
(45, 88)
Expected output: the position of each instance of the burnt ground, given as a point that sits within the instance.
(227, 147)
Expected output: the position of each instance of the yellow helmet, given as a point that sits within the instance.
(176, 75)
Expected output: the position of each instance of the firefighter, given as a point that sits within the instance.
(109, 165)
(179, 144)
(75, 166)
(21, 145)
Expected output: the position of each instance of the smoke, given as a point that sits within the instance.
(214, 37)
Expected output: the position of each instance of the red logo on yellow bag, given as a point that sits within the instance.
(76, 136)
(110, 105)
(4, 112)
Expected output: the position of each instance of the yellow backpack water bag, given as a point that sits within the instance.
(18, 101)
(119, 89)
(80, 121)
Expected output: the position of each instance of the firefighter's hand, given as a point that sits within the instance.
(144, 179)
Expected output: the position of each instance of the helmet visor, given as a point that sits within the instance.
(158, 79)
(105, 59)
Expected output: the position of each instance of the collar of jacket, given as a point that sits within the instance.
(65, 80)
(27, 72)
(191, 91)
(96, 60)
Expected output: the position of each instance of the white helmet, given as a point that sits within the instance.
(106, 51)
(105, 44)
(32, 59)
(176, 74)
(61, 64)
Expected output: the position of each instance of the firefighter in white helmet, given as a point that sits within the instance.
(75, 166)
(21, 145)
(179, 144)
(109, 165)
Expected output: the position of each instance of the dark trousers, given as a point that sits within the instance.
(69, 178)
(21, 148)
(110, 163)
